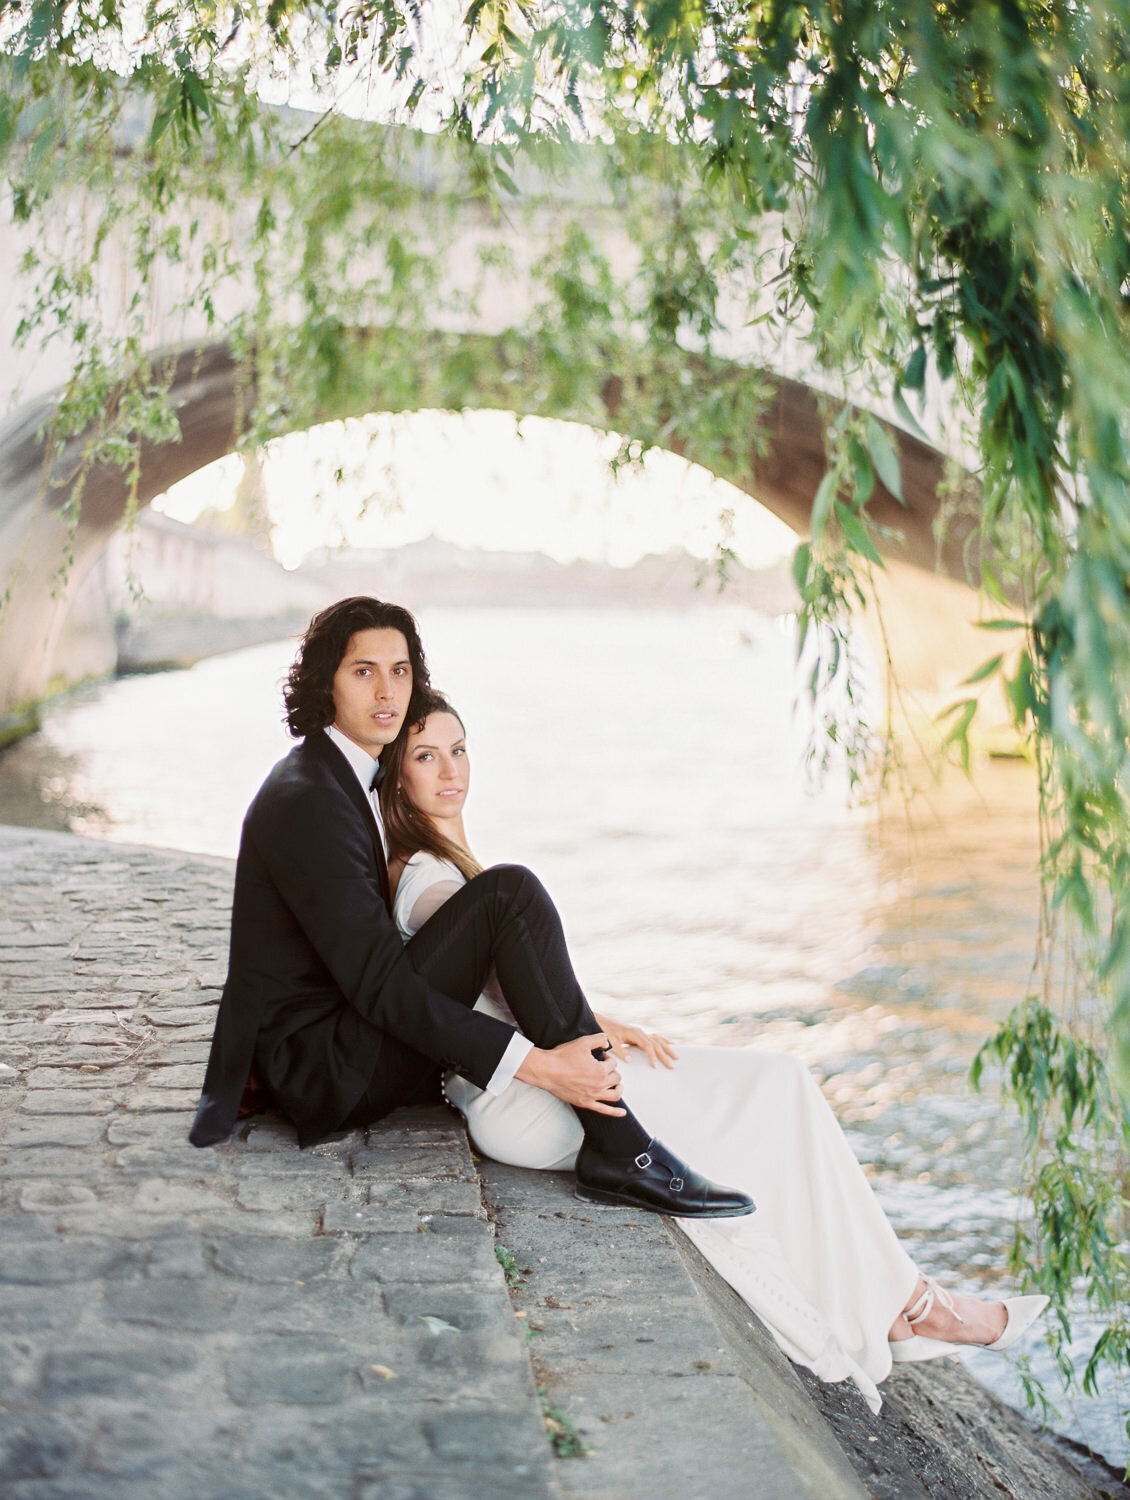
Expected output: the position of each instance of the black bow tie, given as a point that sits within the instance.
(378, 777)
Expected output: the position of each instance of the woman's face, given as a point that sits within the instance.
(436, 772)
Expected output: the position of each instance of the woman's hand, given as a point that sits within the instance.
(656, 1048)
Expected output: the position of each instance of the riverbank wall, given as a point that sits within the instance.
(383, 1317)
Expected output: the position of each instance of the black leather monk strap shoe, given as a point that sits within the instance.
(658, 1181)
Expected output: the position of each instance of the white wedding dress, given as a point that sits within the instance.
(818, 1262)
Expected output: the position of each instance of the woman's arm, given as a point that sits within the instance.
(429, 902)
(422, 884)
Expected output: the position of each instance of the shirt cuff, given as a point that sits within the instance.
(518, 1048)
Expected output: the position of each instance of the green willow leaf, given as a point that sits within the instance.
(822, 504)
(857, 535)
(884, 457)
(986, 669)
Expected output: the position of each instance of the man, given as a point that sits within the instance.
(329, 1017)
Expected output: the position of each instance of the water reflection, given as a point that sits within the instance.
(649, 767)
(39, 785)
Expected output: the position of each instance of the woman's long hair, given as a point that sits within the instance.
(407, 828)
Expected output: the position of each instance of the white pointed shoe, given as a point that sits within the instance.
(1020, 1314)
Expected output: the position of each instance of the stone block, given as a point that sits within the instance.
(43, 1162)
(260, 1258)
(35, 1444)
(454, 1259)
(294, 1369)
(35, 1197)
(196, 1038)
(309, 1194)
(89, 1077)
(58, 1130)
(367, 1218)
(517, 1483)
(408, 1163)
(39, 941)
(114, 1373)
(313, 1307)
(131, 1130)
(26, 966)
(239, 1221)
(426, 1195)
(182, 1101)
(181, 1015)
(167, 1050)
(84, 1017)
(199, 1306)
(469, 1309)
(344, 1448)
(149, 985)
(75, 989)
(489, 1437)
(69, 1101)
(178, 1255)
(159, 1159)
(43, 1308)
(446, 1371)
(127, 1445)
(102, 1035)
(285, 1162)
(156, 1196)
(173, 1076)
(55, 1260)
(488, 1354)
(79, 1055)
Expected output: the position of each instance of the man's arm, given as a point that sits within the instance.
(318, 854)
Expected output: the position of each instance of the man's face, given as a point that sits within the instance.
(371, 688)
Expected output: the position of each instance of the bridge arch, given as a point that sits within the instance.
(45, 643)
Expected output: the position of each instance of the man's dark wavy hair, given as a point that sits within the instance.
(308, 694)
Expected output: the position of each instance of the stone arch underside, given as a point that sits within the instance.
(44, 644)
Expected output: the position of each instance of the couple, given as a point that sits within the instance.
(331, 1017)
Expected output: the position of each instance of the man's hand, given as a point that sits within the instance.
(572, 1073)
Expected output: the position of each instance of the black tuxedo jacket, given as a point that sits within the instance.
(317, 973)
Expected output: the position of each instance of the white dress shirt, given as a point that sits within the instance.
(364, 765)
(519, 1047)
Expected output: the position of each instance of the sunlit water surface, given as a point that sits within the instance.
(650, 768)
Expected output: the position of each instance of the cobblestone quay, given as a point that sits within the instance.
(255, 1322)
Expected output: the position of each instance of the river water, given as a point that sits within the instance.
(649, 766)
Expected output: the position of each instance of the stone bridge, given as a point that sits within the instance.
(46, 643)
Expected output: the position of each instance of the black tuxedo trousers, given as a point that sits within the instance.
(337, 1019)
(503, 919)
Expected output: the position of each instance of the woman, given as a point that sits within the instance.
(818, 1261)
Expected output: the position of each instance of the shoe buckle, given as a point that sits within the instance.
(676, 1184)
(643, 1161)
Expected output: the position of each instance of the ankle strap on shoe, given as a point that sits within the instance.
(923, 1306)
